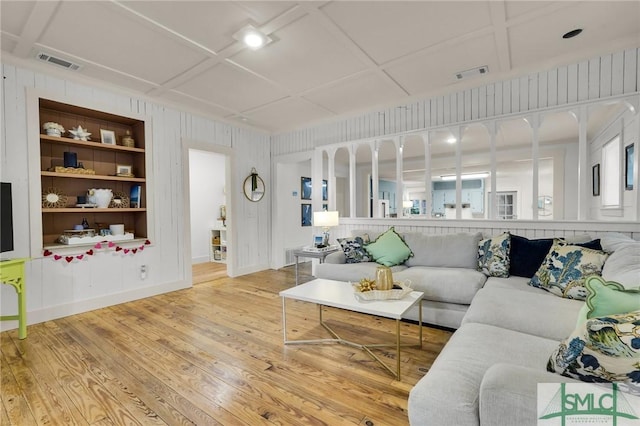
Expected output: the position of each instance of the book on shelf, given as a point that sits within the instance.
(135, 196)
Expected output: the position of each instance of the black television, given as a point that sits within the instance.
(6, 218)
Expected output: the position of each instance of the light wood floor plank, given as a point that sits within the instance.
(209, 355)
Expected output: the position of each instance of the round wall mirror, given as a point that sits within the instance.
(253, 187)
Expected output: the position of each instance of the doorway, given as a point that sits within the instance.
(208, 214)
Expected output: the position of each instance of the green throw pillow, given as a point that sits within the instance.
(609, 298)
(389, 249)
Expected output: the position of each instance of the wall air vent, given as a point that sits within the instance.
(472, 72)
(58, 61)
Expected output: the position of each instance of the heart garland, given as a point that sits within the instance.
(104, 245)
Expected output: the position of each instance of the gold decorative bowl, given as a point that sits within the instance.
(393, 294)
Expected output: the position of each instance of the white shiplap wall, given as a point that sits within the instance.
(56, 288)
(601, 77)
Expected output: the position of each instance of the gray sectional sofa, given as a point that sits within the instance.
(488, 372)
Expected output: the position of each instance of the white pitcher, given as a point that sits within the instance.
(101, 197)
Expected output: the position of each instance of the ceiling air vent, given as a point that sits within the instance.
(58, 61)
(473, 72)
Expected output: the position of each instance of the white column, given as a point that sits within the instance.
(535, 155)
(375, 183)
(331, 179)
(352, 180)
(427, 173)
(456, 134)
(584, 171)
(399, 143)
(316, 180)
(492, 202)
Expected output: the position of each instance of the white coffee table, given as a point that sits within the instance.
(339, 294)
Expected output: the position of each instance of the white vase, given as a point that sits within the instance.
(53, 132)
(100, 197)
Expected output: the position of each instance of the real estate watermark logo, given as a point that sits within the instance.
(572, 404)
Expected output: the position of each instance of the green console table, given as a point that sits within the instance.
(12, 273)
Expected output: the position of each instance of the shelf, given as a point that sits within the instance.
(74, 247)
(92, 210)
(88, 144)
(92, 177)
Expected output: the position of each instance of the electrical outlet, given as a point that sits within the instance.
(143, 272)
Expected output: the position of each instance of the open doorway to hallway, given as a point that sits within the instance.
(208, 201)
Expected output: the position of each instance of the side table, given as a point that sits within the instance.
(12, 273)
(312, 255)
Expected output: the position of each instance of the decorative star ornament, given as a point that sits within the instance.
(80, 134)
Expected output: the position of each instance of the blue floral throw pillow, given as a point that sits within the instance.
(493, 256)
(353, 249)
(565, 269)
(605, 349)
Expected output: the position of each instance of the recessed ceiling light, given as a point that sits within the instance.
(572, 33)
(251, 37)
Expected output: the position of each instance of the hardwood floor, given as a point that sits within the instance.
(211, 354)
(208, 271)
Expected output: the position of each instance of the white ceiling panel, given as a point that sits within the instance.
(228, 85)
(211, 24)
(7, 44)
(514, 9)
(287, 113)
(14, 14)
(305, 55)
(436, 69)
(194, 104)
(389, 30)
(603, 22)
(354, 93)
(97, 32)
(103, 74)
(263, 11)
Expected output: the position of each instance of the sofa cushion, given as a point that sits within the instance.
(389, 249)
(447, 250)
(351, 271)
(609, 297)
(526, 255)
(540, 314)
(604, 349)
(565, 268)
(512, 283)
(493, 255)
(449, 393)
(453, 285)
(353, 249)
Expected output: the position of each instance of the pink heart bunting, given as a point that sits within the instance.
(57, 257)
(141, 248)
(47, 253)
(147, 242)
(68, 259)
(118, 248)
(98, 246)
(90, 252)
(134, 250)
(126, 251)
(111, 244)
(80, 256)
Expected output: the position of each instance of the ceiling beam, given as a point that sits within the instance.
(37, 22)
(499, 21)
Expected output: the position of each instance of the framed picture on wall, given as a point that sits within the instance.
(628, 167)
(305, 188)
(325, 190)
(595, 180)
(305, 214)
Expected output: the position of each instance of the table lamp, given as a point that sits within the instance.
(326, 220)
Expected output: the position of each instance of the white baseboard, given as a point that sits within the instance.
(250, 270)
(80, 306)
(200, 259)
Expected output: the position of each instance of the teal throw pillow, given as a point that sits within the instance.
(389, 249)
(493, 256)
(609, 298)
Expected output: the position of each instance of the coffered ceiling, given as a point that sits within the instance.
(326, 58)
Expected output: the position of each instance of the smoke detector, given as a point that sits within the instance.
(45, 57)
(473, 72)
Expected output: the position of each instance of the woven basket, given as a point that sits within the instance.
(383, 294)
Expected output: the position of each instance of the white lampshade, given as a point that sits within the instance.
(325, 219)
(407, 204)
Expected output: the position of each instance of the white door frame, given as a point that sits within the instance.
(188, 144)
